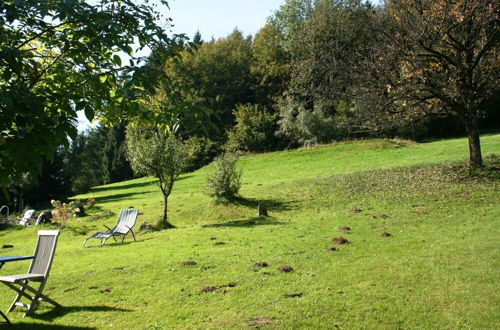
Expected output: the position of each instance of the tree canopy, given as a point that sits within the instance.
(61, 56)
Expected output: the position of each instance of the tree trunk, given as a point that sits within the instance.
(472, 127)
(164, 220)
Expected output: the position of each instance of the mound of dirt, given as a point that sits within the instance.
(340, 240)
(385, 234)
(209, 289)
(261, 264)
(189, 263)
(344, 228)
(355, 210)
(332, 249)
(219, 243)
(285, 269)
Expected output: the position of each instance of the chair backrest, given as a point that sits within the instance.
(28, 214)
(126, 220)
(44, 252)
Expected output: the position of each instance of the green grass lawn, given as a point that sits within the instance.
(439, 268)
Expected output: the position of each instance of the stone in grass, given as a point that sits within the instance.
(189, 263)
(219, 243)
(261, 264)
(209, 289)
(332, 249)
(385, 234)
(340, 240)
(261, 211)
(285, 269)
(344, 228)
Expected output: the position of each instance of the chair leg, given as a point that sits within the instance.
(133, 235)
(18, 297)
(36, 298)
(5, 317)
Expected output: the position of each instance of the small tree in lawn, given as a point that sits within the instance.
(157, 152)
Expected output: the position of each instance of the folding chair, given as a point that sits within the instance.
(38, 272)
(126, 220)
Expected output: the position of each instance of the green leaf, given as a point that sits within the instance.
(103, 78)
(117, 60)
(89, 113)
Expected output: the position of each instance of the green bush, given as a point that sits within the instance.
(254, 129)
(224, 180)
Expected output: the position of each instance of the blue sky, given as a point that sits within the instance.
(218, 18)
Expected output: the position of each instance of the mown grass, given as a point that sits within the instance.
(439, 268)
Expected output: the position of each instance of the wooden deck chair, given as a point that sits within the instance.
(38, 272)
(126, 220)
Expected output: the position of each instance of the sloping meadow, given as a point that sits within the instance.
(373, 234)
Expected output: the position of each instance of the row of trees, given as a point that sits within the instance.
(333, 69)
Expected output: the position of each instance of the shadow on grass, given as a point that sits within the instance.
(62, 311)
(125, 186)
(119, 197)
(132, 185)
(59, 312)
(270, 204)
(31, 326)
(256, 221)
(113, 243)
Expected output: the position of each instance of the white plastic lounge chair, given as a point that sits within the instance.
(38, 272)
(26, 217)
(126, 220)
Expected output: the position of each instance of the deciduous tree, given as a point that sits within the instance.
(448, 59)
(60, 56)
(157, 152)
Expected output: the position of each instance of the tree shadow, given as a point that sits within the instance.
(255, 221)
(115, 197)
(270, 204)
(125, 186)
(133, 185)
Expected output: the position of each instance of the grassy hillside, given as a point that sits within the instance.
(436, 267)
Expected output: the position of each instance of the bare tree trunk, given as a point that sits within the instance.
(472, 127)
(164, 221)
(164, 218)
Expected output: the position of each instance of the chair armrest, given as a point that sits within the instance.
(109, 229)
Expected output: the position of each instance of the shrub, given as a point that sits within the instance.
(254, 129)
(224, 181)
(62, 212)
